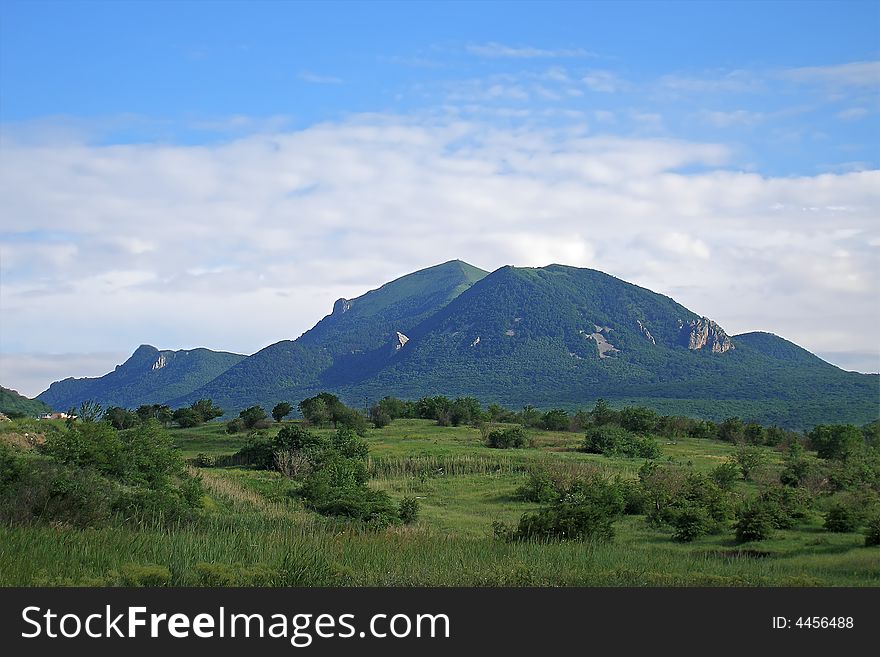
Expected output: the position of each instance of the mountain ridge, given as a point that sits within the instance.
(550, 336)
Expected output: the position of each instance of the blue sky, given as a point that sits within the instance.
(191, 155)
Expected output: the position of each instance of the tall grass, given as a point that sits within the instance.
(401, 467)
(284, 552)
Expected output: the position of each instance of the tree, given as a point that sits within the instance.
(89, 411)
(731, 430)
(164, 415)
(755, 524)
(147, 411)
(120, 418)
(281, 410)
(187, 417)
(754, 433)
(530, 416)
(638, 419)
(748, 458)
(602, 413)
(250, 416)
(556, 420)
(836, 441)
(206, 409)
(464, 410)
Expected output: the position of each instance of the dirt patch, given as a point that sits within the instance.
(25, 441)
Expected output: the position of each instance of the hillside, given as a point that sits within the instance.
(13, 403)
(357, 333)
(148, 376)
(563, 336)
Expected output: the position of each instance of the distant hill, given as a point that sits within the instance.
(148, 376)
(12, 402)
(555, 336)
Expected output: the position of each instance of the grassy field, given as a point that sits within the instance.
(253, 531)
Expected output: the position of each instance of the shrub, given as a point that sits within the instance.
(785, 505)
(507, 438)
(540, 488)
(203, 460)
(92, 471)
(379, 417)
(222, 574)
(281, 410)
(586, 510)
(612, 440)
(690, 522)
(749, 458)
(841, 518)
(638, 419)
(294, 437)
(836, 441)
(186, 418)
(725, 474)
(250, 416)
(755, 524)
(235, 425)
(144, 575)
(556, 420)
(408, 510)
(373, 507)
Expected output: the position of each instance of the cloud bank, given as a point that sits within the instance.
(239, 244)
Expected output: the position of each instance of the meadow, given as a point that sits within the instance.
(254, 530)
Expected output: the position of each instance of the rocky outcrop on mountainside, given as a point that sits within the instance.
(702, 333)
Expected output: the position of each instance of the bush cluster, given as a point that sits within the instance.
(91, 472)
(614, 440)
(507, 438)
(584, 510)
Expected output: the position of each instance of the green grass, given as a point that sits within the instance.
(253, 522)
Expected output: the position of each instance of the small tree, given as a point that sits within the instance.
(206, 409)
(187, 417)
(842, 518)
(281, 410)
(120, 418)
(250, 416)
(602, 413)
(509, 438)
(836, 441)
(724, 474)
(731, 430)
(755, 524)
(748, 458)
(556, 420)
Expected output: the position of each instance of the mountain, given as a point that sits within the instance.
(148, 376)
(554, 336)
(357, 334)
(13, 403)
(563, 336)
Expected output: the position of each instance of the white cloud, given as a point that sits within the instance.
(736, 81)
(603, 81)
(494, 49)
(852, 114)
(307, 76)
(239, 244)
(852, 74)
(731, 119)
